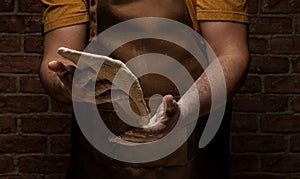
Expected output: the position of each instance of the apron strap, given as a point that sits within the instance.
(191, 5)
(92, 4)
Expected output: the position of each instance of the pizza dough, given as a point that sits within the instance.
(112, 70)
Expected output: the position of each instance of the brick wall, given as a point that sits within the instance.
(266, 124)
(35, 130)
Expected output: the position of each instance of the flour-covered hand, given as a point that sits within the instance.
(162, 123)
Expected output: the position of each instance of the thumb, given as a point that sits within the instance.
(56, 66)
(170, 105)
(60, 68)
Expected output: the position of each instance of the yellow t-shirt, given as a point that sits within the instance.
(226, 10)
(61, 13)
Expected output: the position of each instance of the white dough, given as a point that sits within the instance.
(109, 69)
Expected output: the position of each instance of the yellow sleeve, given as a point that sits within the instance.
(224, 10)
(61, 13)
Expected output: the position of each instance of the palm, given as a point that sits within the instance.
(165, 119)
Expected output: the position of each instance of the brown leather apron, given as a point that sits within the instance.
(188, 161)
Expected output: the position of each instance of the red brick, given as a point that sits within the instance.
(60, 107)
(296, 65)
(23, 104)
(22, 144)
(258, 45)
(285, 45)
(279, 6)
(263, 65)
(251, 85)
(6, 164)
(253, 6)
(274, 47)
(244, 122)
(282, 84)
(295, 176)
(33, 43)
(7, 5)
(33, 23)
(30, 6)
(258, 176)
(43, 164)
(31, 84)
(11, 23)
(295, 143)
(242, 163)
(8, 124)
(56, 176)
(10, 43)
(8, 84)
(280, 123)
(259, 143)
(23, 176)
(296, 103)
(271, 25)
(19, 64)
(48, 124)
(297, 25)
(280, 163)
(60, 144)
(20, 23)
(260, 103)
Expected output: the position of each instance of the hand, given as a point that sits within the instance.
(160, 125)
(65, 73)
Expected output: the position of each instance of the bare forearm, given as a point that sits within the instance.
(234, 70)
(72, 37)
(224, 75)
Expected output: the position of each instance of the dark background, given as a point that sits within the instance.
(35, 130)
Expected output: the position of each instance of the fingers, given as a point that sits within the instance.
(142, 135)
(171, 106)
(167, 118)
